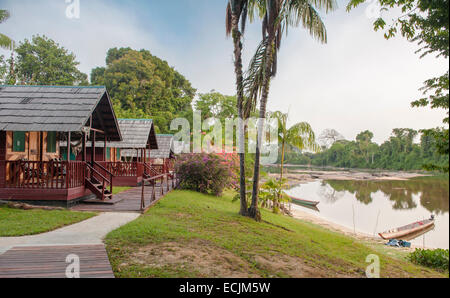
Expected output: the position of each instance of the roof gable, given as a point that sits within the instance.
(56, 108)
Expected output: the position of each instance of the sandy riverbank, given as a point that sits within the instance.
(296, 177)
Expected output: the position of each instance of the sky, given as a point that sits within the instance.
(357, 81)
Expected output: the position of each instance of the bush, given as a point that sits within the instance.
(437, 259)
(207, 173)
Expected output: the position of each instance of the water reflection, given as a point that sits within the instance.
(433, 193)
(372, 207)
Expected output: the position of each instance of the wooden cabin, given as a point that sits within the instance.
(33, 122)
(163, 158)
(139, 137)
(126, 159)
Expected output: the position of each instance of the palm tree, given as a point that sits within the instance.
(300, 136)
(237, 15)
(5, 41)
(278, 16)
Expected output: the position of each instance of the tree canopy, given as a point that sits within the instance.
(143, 86)
(42, 61)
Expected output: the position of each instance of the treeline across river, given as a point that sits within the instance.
(398, 153)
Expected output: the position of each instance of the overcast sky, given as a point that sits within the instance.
(357, 81)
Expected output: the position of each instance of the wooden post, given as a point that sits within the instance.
(41, 146)
(104, 148)
(93, 147)
(83, 154)
(68, 146)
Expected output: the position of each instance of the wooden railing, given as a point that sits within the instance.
(44, 175)
(153, 177)
(123, 169)
(93, 174)
(102, 172)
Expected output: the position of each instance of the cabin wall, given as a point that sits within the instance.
(2, 158)
(32, 147)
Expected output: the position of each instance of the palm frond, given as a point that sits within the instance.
(303, 12)
(6, 42)
(253, 81)
(302, 136)
(228, 19)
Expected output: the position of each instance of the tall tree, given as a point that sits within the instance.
(237, 15)
(144, 86)
(5, 41)
(42, 61)
(278, 16)
(300, 136)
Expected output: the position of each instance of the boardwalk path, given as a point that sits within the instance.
(45, 255)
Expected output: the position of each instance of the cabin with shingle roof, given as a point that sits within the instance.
(163, 158)
(33, 121)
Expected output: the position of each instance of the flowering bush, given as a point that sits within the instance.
(206, 173)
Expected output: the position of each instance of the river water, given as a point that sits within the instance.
(372, 207)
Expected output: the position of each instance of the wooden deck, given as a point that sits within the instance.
(129, 201)
(50, 262)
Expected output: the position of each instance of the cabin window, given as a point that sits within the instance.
(118, 154)
(108, 154)
(51, 142)
(18, 141)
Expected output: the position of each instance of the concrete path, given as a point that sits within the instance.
(46, 255)
(88, 232)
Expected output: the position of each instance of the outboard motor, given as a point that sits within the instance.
(432, 216)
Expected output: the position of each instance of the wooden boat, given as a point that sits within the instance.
(304, 202)
(403, 232)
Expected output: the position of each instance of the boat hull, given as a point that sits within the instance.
(304, 202)
(407, 230)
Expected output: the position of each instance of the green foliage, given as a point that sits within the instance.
(397, 153)
(42, 61)
(5, 41)
(216, 105)
(272, 195)
(437, 258)
(206, 173)
(143, 86)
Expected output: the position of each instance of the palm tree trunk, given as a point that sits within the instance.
(283, 146)
(254, 210)
(240, 97)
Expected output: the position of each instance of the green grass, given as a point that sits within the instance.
(178, 236)
(119, 189)
(16, 222)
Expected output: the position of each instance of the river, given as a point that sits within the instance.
(371, 207)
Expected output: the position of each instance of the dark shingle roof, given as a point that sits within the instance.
(54, 108)
(165, 147)
(137, 134)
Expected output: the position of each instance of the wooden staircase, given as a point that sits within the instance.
(98, 184)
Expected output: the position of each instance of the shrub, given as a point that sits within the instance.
(437, 258)
(206, 173)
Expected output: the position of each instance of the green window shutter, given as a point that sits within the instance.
(108, 154)
(19, 141)
(118, 154)
(51, 142)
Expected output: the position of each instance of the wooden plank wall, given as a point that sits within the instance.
(2, 158)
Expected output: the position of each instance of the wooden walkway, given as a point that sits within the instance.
(129, 201)
(50, 262)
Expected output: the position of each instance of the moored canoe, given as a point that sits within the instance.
(408, 229)
(304, 202)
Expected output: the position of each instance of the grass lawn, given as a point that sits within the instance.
(16, 222)
(119, 189)
(193, 235)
